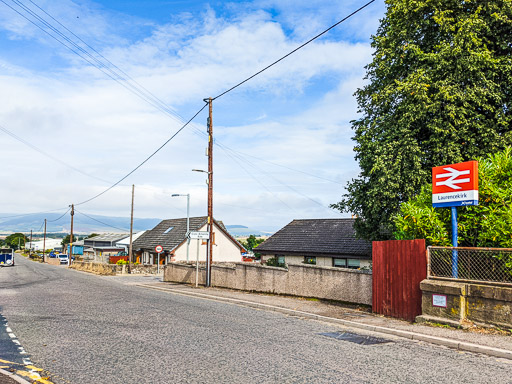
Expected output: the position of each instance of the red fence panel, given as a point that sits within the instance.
(115, 259)
(398, 268)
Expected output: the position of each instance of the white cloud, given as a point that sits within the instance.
(296, 114)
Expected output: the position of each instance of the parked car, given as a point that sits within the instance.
(64, 259)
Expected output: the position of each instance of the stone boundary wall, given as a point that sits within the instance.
(97, 268)
(479, 303)
(113, 269)
(346, 285)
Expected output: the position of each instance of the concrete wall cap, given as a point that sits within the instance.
(443, 286)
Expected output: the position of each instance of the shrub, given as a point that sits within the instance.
(273, 262)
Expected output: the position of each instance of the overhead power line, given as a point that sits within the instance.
(295, 50)
(104, 65)
(64, 214)
(32, 213)
(149, 157)
(21, 140)
(101, 222)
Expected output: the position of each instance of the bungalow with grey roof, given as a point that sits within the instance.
(324, 242)
(172, 236)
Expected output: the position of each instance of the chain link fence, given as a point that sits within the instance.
(476, 264)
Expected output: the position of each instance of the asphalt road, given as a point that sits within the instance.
(89, 329)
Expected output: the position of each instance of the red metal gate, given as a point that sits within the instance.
(398, 268)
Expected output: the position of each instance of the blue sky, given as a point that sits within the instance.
(284, 148)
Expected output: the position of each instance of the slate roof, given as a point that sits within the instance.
(173, 238)
(310, 237)
(108, 237)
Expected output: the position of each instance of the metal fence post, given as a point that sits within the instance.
(428, 262)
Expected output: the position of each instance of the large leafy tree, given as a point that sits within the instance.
(439, 91)
(16, 240)
(487, 225)
(66, 239)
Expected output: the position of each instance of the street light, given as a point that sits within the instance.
(188, 218)
(209, 250)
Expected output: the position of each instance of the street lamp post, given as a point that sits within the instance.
(209, 249)
(188, 219)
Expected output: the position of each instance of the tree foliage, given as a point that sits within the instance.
(12, 241)
(439, 91)
(66, 239)
(487, 225)
(251, 242)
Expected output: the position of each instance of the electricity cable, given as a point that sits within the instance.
(295, 50)
(157, 103)
(101, 222)
(41, 227)
(109, 62)
(33, 213)
(280, 182)
(149, 157)
(64, 214)
(259, 182)
(21, 140)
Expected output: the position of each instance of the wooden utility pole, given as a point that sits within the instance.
(130, 249)
(71, 236)
(30, 246)
(44, 241)
(210, 194)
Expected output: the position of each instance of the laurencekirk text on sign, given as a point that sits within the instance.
(455, 185)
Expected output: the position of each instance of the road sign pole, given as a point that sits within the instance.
(197, 263)
(455, 253)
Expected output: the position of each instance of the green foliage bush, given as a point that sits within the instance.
(273, 262)
(487, 225)
(122, 262)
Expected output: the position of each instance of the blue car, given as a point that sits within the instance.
(6, 257)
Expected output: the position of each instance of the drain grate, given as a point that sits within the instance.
(355, 338)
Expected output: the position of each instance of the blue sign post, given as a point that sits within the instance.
(453, 186)
(455, 253)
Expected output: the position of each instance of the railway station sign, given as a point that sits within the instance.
(455, 185)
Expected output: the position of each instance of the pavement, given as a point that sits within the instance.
(489, 342)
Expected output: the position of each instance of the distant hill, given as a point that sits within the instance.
(81, 224)
(96, 223)
(242, 231)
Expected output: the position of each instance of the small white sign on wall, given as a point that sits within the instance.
(439, 301)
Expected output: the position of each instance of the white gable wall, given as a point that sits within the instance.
(224, 250)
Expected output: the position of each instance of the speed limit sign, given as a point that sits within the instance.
(159, 249)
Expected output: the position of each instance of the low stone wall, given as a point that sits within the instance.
(97, 268)
(483, 304)
(144, 269)
(114, 269)
(346, 285)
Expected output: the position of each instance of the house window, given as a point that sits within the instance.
(168, 230)
(346, 263)
(280, 259)
(309, 260)
(340, 263)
